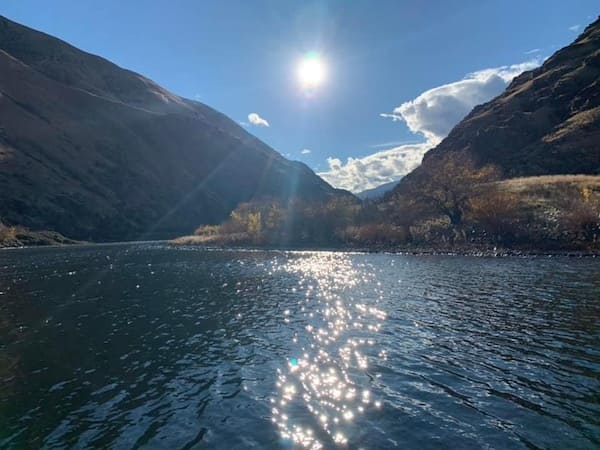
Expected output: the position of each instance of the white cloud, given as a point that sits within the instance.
(305, 151)
(358, 174)
(391, 144)
(532, 51)
(575, 28)
(255, 119)
(394, 117)
(432, 114)
(435, 112)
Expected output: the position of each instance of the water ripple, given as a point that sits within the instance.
(145, 346)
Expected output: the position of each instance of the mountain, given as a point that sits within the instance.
(377, 192)
(98, 152)
(546, 122)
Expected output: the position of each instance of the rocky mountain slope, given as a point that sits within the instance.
(546, 122)
(97, 152)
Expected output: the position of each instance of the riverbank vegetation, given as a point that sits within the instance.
(461, 210)
(16, 236)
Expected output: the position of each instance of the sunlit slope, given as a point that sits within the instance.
(545, 193)
(98, 152)
(546, 122)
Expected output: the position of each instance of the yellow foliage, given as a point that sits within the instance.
(254, 224)
(585, 193)
(207, 230)
(236, 217)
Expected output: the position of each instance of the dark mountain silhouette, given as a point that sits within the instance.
(98, 152)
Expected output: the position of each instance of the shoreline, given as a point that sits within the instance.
(488, 252)
(493, 252)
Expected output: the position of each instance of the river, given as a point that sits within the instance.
(148, 346)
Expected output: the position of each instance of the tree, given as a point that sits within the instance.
(446, 184)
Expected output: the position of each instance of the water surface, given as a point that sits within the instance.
(146, 346)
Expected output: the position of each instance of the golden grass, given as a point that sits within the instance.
(549, 181)
(17, 236)
(551, 191)
(8, 234)
(192, 240)
(212, 240)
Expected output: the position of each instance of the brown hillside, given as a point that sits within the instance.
(546, 122)
(98, 152)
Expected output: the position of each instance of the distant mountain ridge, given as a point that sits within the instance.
(98, 152)
(546, 122)
(377, 192)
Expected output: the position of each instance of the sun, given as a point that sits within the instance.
(311, 70)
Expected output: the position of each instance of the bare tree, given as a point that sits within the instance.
(446, 186)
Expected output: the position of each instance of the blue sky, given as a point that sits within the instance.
(241, 57)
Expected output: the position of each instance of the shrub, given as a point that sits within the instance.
(497, 214)
(581, 220)
(207, 230)
(373, 234)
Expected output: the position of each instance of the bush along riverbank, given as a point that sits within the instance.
(15, 236)
(537, 215)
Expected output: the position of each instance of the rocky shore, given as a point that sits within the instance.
(214, 242)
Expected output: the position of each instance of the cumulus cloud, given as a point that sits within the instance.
(435, 112)
(255, 119)
(358, 174)
(305, 151)
(432, 114)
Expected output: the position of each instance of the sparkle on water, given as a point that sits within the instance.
(126, 346)
(323, 382)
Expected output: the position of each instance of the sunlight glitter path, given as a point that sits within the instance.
(319, 396)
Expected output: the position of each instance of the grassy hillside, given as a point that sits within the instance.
(550, 193)
(547, 187)
(15, 236)
(547, 122)
(557, 211)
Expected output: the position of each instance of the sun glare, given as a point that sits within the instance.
(311, 71)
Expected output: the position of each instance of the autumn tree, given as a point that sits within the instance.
(446, 185)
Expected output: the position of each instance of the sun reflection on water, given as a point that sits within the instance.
(319, 393)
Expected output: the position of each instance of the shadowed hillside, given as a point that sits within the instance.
(97, 152)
